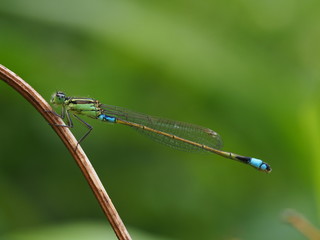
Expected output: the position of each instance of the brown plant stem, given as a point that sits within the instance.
(71, 143)
(300, 223)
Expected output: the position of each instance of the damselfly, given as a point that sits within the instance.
(180, 135)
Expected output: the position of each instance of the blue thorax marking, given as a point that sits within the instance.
(106, 118)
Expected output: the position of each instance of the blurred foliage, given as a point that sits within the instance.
(79, 230)
(247, 69)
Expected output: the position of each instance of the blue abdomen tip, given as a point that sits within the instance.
(259, 164)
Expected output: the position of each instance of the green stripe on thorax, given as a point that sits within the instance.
(85, 106)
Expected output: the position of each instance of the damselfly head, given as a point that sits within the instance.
(58, 98)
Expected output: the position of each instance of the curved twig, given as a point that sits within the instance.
(71, 143)
(303, 225)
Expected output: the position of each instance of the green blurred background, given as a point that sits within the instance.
(247, 69)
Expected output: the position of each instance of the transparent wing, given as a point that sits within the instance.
(183, 130)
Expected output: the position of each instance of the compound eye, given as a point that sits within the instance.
(60, 95)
